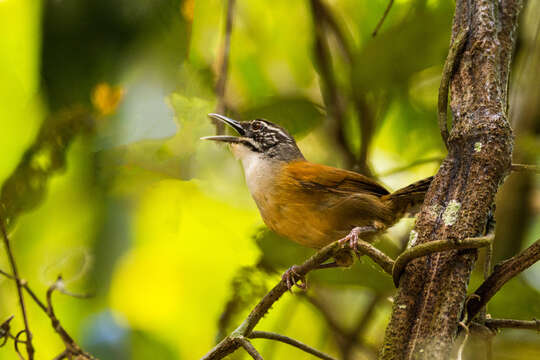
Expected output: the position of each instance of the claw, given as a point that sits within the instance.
(351, 240)
(291, 278)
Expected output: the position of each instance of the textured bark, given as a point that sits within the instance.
(433, 289)
(514, 206)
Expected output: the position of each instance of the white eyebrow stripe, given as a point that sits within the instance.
(277, 130)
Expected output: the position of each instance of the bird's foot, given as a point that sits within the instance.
(291, 278)
(351, 240)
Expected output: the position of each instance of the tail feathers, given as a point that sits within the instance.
(410, 198)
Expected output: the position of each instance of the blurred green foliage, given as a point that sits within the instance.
(159, 225)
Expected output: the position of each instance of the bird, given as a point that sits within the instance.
(308, 203)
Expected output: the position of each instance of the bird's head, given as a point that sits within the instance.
(258, 137)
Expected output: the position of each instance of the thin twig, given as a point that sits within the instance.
(464, 342)
(62, 355)
(449, 66)
(525, 167)
(513, 324)
(221, 83)
(326, 313)
(411, 165)
(365, 114)
(432, 247)
(72, 348)
(343, 38)
(381, 21)
(16, 343)
(329, 88)
(290, 341)
(502, 272)
(250, 348)
(230, 343)
(380, 258)
(28, 342)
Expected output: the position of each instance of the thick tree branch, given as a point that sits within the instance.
(433, 289)
(502, 272)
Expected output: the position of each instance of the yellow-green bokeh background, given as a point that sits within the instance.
(156, 223)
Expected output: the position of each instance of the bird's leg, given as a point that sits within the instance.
(291, 278)
(351, 240)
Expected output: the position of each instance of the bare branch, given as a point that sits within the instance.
(28, 342)
(290, 341)
(525, 167)
(62, 355)
(72, 348)
(513, 324)
(380, 258)
(502, 272)
(250, 348)
(381, 21)
(230, 343)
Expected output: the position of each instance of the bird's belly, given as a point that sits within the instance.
(301, 222)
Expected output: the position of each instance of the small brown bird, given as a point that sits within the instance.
(308, 203)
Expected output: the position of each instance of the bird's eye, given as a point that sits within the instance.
(256, 126)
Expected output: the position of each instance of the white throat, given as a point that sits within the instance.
(258, 170)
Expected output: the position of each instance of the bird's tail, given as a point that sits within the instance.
(410, 198)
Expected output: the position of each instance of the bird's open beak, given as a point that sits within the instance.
(236, 125)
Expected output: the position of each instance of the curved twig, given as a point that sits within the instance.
(433, 247)
(18, 282)
(290, 341)
(502, 272)
(449, 66)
